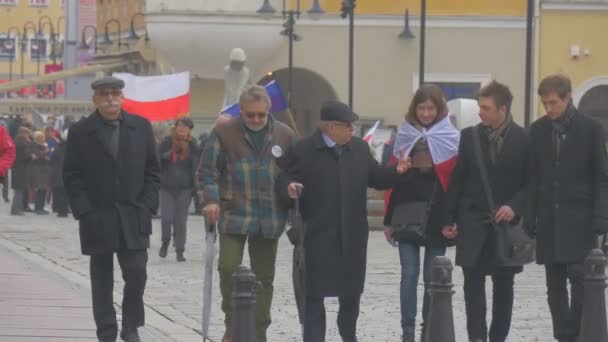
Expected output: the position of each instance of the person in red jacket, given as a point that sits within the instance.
(7, 152)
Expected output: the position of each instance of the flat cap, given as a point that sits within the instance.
(337, 111)
(108, 82)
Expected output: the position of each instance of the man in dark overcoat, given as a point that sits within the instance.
(111, 176)
(334, 170)
(568, 199)
(504, 146)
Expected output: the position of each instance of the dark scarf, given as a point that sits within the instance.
(560, 127)
(497, 137)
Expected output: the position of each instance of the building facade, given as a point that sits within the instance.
(468, 43)
(578, 50)
(31, 36)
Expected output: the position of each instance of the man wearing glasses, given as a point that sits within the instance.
(237, 173)
(332, 170)
(111, 176)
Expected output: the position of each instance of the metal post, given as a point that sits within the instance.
(422, 42)
(243, 305)
(10, 66)
(351, 54)
(290, 33)
(528, 86)
(593, 321)
(70, 48)
(38, 57)
(440, 321)
(23, 47)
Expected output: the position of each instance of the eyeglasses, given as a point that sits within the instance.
(343, 124)
(253, 115)
(109, 92)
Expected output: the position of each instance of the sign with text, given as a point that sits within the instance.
(57, 107)
(39, 3)
(9, 2)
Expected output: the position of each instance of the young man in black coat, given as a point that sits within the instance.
(568, 199)
(111, 175)
(504, 146)
(334, 170)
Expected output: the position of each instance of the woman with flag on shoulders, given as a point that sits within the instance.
(415, 203)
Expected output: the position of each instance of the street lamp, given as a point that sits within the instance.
(107, 40)
(315, 12)
(266, 11)
(10, 45)
(83, 42)
(58, 45)
(422, 42)
(407, 33)
(133, 34)
(348, 9)
(28, 25)
(40, 37)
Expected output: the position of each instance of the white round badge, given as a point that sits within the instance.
(277, 151)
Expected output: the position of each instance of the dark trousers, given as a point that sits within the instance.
(133, 267)
(566, 314)
(475, 303)
(60, 202)
(314, 320)
(174, 213)
(17, 205)
(5, 188)
(40, 200)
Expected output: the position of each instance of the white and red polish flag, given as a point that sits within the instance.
(443, 140)
(157, 98)
(370, 133)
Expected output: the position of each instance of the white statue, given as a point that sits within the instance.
(236, 76)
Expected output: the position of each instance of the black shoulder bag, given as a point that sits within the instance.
(410, 220)
(513, 246)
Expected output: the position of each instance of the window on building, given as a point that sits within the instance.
(8, 2)
(8, 48)
(38, 48)
(108, 10)
(39, 3)
(125, 10)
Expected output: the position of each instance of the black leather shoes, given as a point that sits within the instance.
(163, 250)
(130, 335)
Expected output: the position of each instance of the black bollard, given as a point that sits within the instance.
(439, 325)
(243, 305)
(593, 321)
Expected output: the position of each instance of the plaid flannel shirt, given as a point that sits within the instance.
(241, 180)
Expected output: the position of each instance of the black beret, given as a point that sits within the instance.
(108, 82)
(337, 111)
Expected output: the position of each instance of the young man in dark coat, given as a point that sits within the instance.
(334, 170)
(568, 199)
(504, 146)
(111, 176)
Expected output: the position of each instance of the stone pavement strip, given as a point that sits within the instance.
(37, 304)
(173, 293)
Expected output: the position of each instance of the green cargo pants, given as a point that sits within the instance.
(262, 254)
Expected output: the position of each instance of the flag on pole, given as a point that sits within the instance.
(443, 140)
(370, 133)
(277, 100)
(157, 98)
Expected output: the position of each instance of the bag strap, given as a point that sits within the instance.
(482, 169)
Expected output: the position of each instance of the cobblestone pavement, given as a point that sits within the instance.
(174, 289)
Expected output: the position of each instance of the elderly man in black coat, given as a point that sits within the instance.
(334, 170)
(568, 199)
(111, 176)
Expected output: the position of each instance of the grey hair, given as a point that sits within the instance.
(254, 93)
